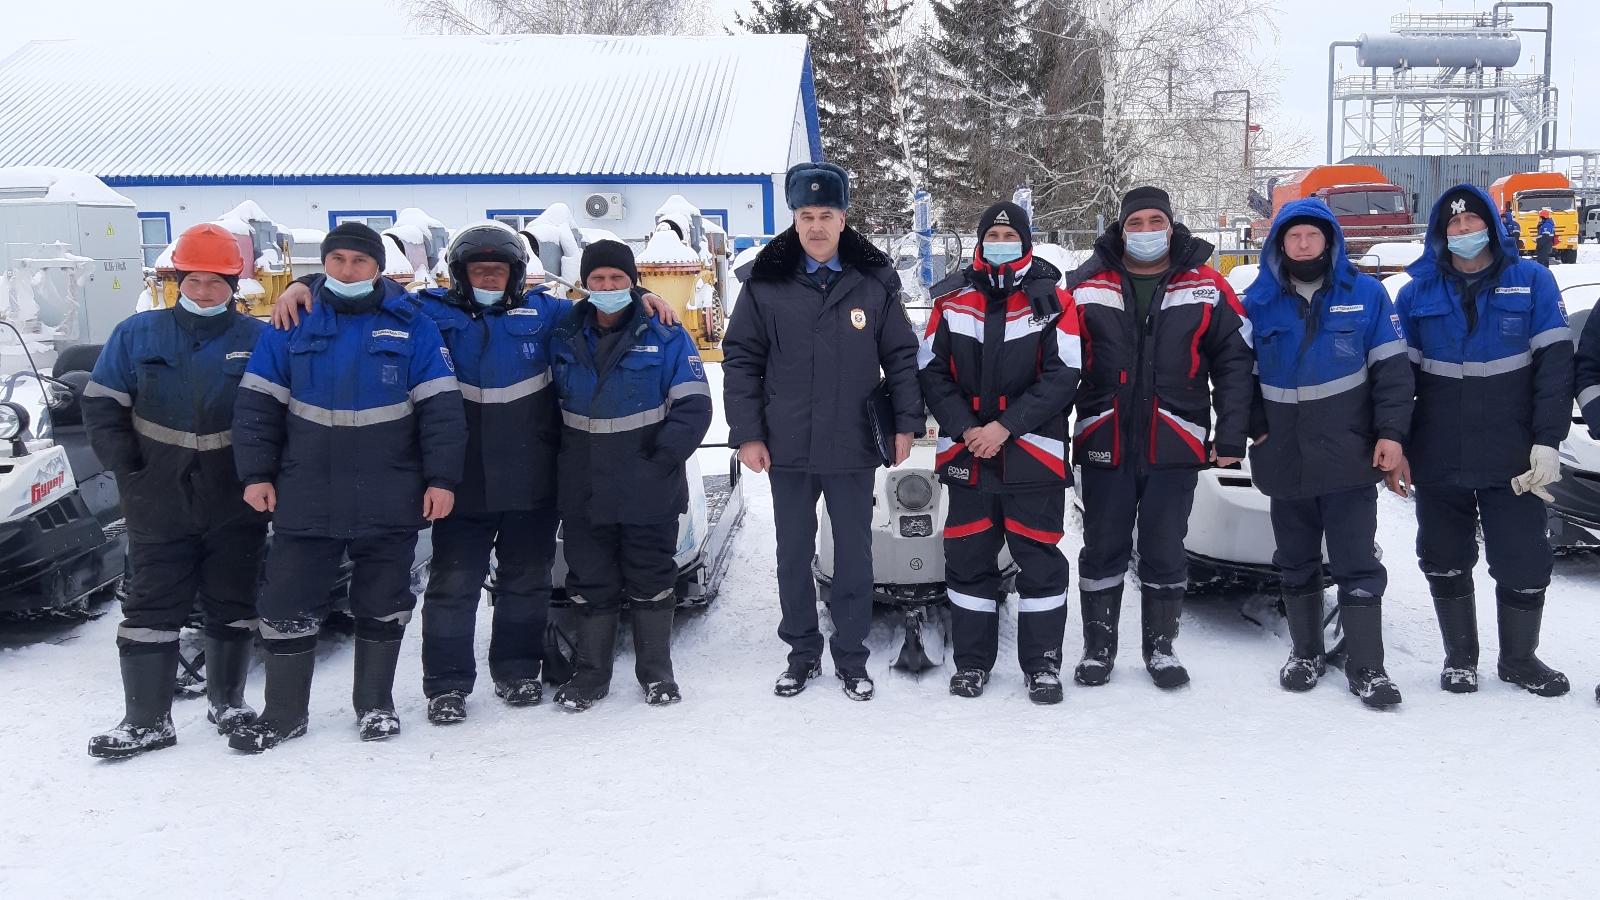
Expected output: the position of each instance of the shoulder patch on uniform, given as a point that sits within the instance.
(1514, 290)
(697, 367)
(448, 362)
(644, 348)
(1353, 307)
(522, 311)
(239, 354)
(1394, 319)
(390, 332)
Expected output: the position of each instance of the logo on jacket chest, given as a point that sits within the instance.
(1099, 456)
(958, 473)
(858, 318)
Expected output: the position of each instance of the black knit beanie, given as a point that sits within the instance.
(355, 236)
(1007, 213)
(1141, 198)
(1461, 200)
(608, 254)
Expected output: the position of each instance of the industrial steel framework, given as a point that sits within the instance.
(1444, 110)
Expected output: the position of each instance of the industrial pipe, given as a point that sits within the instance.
(1332, 49)
(1548, 32)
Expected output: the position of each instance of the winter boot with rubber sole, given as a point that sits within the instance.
(594, 651)
(652, 651)
(373, 692)
(1044, 688)
(968, 683)
(1101, 612)
(1363, 643)
(856, 683)
(520, 692)
(1160, 610)
(1521, 615)
(1456, 605)
(148, 681)
(1307, 655)
(447, 708)
(287, 710)
(793, 680)
(227, 666)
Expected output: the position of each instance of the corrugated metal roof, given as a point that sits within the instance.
(433, 105)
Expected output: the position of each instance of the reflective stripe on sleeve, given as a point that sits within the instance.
(252, 381)
(433, 388)
(689, 389)
(1316, 391)
(1550, 336)
(187, 439)
(96, 389)
(1384, 351)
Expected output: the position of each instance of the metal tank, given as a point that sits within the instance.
(1461, 50)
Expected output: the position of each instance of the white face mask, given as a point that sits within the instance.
(487, 298)
(611, 301)
(207, 311)
(347, 290)
(1145, 246)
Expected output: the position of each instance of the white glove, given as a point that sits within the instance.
(1546, 469)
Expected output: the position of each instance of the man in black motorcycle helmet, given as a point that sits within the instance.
(497, 331)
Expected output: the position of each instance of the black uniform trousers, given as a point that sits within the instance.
(301, 571)
(1514, 538)
(1158, 501)
(1029, 523)
(220, 567)
(607, 563)
(524, 546)
(1349, 521)
(794, 506)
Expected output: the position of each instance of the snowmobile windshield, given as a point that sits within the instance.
(27, 394)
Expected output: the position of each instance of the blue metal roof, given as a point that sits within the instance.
(446, 108)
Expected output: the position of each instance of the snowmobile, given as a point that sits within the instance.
(1574, 521)
(62, 539)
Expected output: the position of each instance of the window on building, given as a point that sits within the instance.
(376, 219)
(719, 216)
(155, 233)
(517, 219)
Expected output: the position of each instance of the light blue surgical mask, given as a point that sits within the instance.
(347, 290)
(999, 253)
(487, 298)
(1469, 245)
(207, 311)
(1146, 246)
(611, 301)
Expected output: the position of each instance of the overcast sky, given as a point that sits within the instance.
(1305, 27)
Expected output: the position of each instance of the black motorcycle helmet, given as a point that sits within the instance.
(488, 242)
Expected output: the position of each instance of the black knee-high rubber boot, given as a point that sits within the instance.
(149, 676)
(652, 648)
(1160, 610)
(284, 716)
(1521, 616)
(596, 651)
(1363, 643)
(1308, 653)
(227, 667)
(1457, 608)
(1101, 612)
(373, 690)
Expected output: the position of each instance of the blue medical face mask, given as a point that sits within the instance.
(1146, 246)
(611, 301)
(1469, 245)
(998, 253)
(207, 311)
(487, 298)
(348, 291)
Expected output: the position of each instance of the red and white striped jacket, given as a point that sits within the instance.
(984, 361)
(1147, 386)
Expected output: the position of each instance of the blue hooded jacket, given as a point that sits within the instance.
(1493, 357)
(1333, 371)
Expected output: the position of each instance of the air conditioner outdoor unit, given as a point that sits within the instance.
(603, 206)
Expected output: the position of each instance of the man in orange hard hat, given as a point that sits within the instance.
(159, 412)
(1544, 241)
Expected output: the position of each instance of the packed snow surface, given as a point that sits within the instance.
(1230, 788)
(57, 184)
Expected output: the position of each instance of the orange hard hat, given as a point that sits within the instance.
(1544, 213)
(208, 248)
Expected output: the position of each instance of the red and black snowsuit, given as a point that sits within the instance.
(1008, 355)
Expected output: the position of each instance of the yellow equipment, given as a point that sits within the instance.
(265, 248)
(673, 271)
(1526, 194)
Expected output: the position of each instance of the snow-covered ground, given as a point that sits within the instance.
(1228, 788)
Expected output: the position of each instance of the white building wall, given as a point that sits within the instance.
(309, 206)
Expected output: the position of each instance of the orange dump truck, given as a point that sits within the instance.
(1529, 192)
(1368, 207)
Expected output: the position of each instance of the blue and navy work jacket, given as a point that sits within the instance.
(159, 412)
(502, 356)
(1334, 373)
(630, 419)
(1492, 384)
(351, 417)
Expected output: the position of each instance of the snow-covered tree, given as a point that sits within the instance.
(558, 16)
(779, 17)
